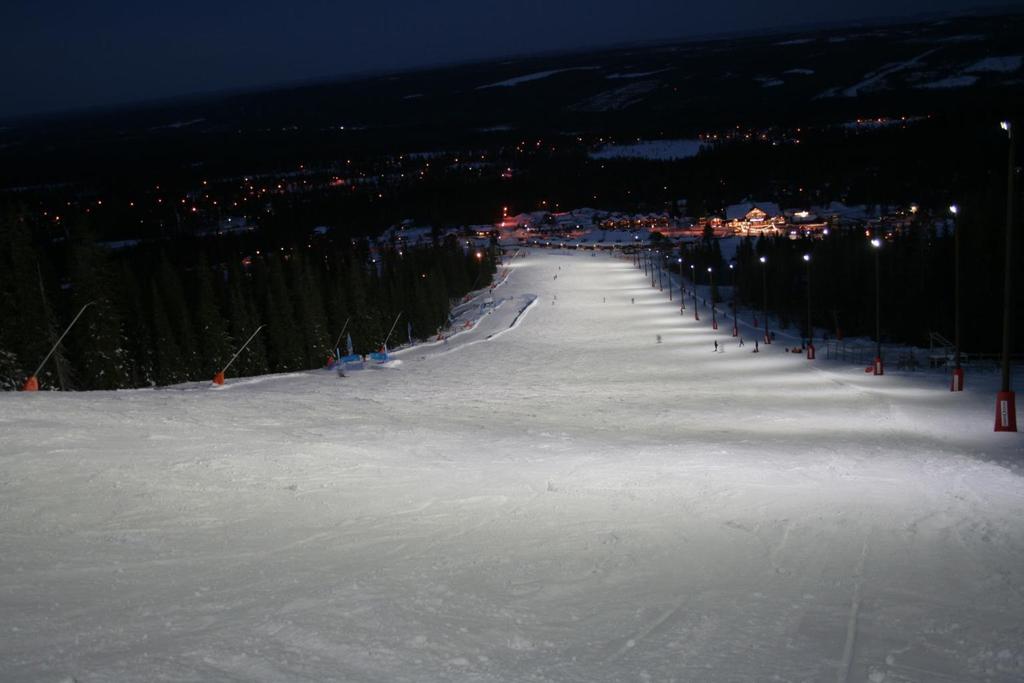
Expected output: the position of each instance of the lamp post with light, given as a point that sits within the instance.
(879, 369)
(764, 298)
(735, 312)
(668, 276)
(711, 295)
(1006, 407)
(693, 281)
(958, 372)
(810, 325)
(682, 294)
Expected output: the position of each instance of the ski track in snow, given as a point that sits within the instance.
(569, 501)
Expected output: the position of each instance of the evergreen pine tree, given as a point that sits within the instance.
(29, 326)
(169, 363)
(179, 318)
(284, 348)
(138, 329)
(243, 322)
(100, 345)
(309, 311)
(214, 340)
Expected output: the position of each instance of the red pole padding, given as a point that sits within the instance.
(31, 384)
(958, 380)
(1006, 412)
(218, 378)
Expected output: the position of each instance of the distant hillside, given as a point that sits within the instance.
(969, 66)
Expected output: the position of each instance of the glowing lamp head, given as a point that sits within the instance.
(876, 243)
(763, 259)
(1005, 125)
(953, 209)
(807, 257)
(709, 269)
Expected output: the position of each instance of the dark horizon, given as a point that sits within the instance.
(52, 88)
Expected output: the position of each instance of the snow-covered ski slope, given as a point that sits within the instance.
(566, 501)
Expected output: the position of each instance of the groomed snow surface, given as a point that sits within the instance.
(568, 500)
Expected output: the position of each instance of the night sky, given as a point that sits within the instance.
(68, 55)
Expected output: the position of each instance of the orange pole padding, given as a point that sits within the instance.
(218, 378)
(31, 384)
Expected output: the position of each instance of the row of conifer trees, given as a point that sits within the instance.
(176, 311)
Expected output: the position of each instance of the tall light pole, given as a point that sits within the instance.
(879, 369)
(1006, 406)
(711, 295)
(958, 372)
(735, 313)
(668, 276)
(764, 298)
(661, 267)
(650, 257)
(693, 281)
(810, 326)
(682, 294)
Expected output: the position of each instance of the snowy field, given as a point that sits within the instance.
(551, 495)
(654, 150)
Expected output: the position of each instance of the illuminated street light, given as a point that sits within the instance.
(711, 295)
(735, 312)
(1006, 407)
(668, 276)
(810, 326)
(682, 294)
(693, 280)
(764, 298)
(958, 372)
(879, 369)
